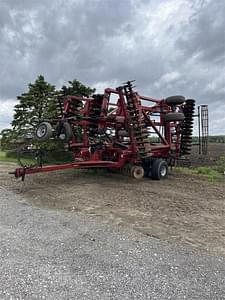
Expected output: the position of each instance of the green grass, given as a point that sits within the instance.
(209, 173)
(28, 160)
(3, 157)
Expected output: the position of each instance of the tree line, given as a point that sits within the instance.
(211, 139)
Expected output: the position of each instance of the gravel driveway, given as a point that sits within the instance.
(49, 254)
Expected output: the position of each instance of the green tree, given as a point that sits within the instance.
(33, 106)
(41, 102)
(76, 88)
(6, 137)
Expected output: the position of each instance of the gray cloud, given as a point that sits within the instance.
(205, 33)
(169, 47)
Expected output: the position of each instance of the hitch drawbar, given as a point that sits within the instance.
(19, 172)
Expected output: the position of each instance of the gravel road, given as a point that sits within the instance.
(46, 254)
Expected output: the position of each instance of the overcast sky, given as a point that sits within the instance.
(171, 47)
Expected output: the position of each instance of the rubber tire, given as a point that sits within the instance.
(48, 133)
(156, 169)
(170, 117)
(67, 131)
(175, 100)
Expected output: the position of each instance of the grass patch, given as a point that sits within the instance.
(12, 157)
(3, 157)
(220, 167)
(209, 173)
(29, 159)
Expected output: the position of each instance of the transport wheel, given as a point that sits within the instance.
(64, 132)
(137, 172)
(171, 117)
(159, 169)
(175, 100)
(43, 131)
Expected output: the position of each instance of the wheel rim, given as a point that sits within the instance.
(137, 172)
(62, 136)
(163, 171)
(41, 131)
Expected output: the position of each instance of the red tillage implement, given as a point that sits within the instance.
(114, 130)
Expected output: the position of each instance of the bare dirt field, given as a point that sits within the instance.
(215, 151)
(182, 208)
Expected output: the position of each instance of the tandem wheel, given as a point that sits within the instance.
(157, 169)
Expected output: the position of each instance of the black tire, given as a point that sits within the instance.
(170, 117)
(43, 131)
(175, 100)
(64, 132)
(159, 169)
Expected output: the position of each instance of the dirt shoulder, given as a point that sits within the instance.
(183, 208)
